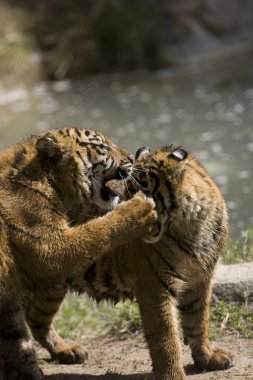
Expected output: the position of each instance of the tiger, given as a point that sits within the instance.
(56, 216)
(169, 271)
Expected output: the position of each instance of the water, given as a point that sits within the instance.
(209, 114)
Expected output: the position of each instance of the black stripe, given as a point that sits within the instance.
(108, 280)
(100, 150)
(35, 324)
(163, 283)
(17, 160)
(81, 158)
(218, 228)
(89, 155)
(202, 173)
(56, 188)
(150, 167)
(173, 203)
(57, 299)
(193, 335)
(191, 311)
(182, 246)
(172, 270)
(19, 157)
(46, 313)
(161, 199)
(78, 132)
(188, 307)
(53, 209)
(90, 273)
(143, 184)
(119, 272)
(17, 229)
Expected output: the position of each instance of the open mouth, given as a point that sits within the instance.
(107, 193)
(113, 188)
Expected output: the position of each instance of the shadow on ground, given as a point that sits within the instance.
(189, 369)
(108, 376)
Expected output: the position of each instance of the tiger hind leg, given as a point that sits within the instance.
(195, 323)
(40, 314)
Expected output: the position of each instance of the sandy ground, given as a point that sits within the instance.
(114, 359)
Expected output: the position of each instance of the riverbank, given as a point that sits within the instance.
(118, 36)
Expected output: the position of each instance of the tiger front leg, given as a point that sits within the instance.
(17, 357)
(40, 313)
(159, 320)
(195, 322)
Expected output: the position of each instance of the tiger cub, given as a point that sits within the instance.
(171, 271)
(44, 182)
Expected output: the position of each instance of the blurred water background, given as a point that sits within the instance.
(206, 114)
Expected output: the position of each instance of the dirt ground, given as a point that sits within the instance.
(114, 359)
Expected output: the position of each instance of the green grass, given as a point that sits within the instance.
(78, 316)
(240, 250)
(226, 317)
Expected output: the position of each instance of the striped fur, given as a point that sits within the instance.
(171, 271)
(52, 187)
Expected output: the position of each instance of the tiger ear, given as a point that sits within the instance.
(48, 146)
(179, 154)
(142, 151)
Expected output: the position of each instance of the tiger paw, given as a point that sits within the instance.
(139, 214)
(70, 355)
(216, 359)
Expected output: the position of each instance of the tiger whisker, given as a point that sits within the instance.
(135, 182)
(127, 189)
(96, 181)
(139, 170)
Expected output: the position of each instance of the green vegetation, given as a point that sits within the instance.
(79, 315)
(17, 48)
(226, 317)
(240, 250)
(96, 36)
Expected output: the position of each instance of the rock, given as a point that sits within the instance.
(206, 32)
(234, 283)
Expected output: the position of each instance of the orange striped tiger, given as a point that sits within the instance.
(170, 272)
(51, 186)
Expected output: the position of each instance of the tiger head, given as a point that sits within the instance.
(82, 161)
(158, 174)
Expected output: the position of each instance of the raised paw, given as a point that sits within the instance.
(140, 209)
(71, 355)
(217, 359)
